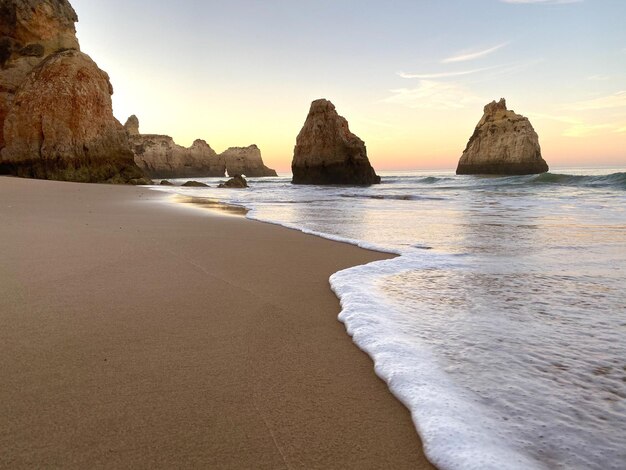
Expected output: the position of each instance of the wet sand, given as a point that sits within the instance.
(140, 334)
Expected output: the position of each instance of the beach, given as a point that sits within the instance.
(136, 333)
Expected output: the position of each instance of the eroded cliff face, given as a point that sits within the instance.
(56, 118)
(30, 31)
(503, 143)
(246, 161)
(61, 125)
(160, 157)
(326, 152)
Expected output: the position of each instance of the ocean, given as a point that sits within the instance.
(502, 324)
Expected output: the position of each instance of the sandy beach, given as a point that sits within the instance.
(140, 334)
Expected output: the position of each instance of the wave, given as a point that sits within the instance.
(394, 197)
(614, 181)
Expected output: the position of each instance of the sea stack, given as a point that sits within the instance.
(327, 152)
(503, 143)
(55, 103)
(246, 161)
(160, 157)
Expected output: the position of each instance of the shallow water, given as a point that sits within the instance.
(503, 324)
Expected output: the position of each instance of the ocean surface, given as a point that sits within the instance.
(502, 325)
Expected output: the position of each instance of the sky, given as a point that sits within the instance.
(411, 76)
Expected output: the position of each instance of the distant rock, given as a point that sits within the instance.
(246, 161)
(132, 125)
(195, 184)
(166, 183)
(61, 126)
(503, 143)
(160, 157)
(327, 152)
(56, 118)
(237, 182)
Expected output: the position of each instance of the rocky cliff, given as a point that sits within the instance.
(503, 143)
(56, 118)
(160, 157)
(327, 152)
(246, 161)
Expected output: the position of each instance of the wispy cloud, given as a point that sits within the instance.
(427, 76)
(472, 55)
(616, 100)
(579, 128)
(587, 130)
(431, 94)
(552, 117)
(547, 2)
(599, 78)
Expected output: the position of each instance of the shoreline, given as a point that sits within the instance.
(142, 334)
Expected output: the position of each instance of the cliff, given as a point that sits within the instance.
(246, 161)
(503, 143)
(160, 157)
(326, 152)
(56, 118)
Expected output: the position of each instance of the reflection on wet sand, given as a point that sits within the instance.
(212, 204)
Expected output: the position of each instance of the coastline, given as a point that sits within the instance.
(136, 333)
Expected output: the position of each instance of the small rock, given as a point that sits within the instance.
(195, 184)
(166, 183)
(236, 182)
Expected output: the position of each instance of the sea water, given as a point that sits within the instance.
(502, 325)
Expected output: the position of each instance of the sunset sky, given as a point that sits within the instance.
(411, 76)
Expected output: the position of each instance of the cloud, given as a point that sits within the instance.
(431, 94)
(587, 130)
(616, 100)
(464, 56)
(579, 128)
(599, 78)
(427, 76)
(545, 2)
(552, 117)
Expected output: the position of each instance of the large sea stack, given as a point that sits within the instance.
(503, 143)
(246, 161)
(55, 103)
(160, 157)
(327, 152)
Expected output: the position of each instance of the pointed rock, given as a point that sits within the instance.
(503, 143)
(327, 152)
(132, 125)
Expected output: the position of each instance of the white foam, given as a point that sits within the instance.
(454, 427)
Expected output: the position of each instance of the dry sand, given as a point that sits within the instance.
(136, 334)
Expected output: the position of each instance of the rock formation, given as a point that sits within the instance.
(236, 182)
(55, 103)
(327, 152)
(160, 157)
(30, 30)
(503, 143)
(246, 161)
